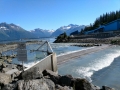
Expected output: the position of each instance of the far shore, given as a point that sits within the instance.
(12, 46)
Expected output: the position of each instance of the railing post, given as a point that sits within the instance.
(54, 62)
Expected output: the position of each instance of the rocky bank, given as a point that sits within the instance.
(13, 78)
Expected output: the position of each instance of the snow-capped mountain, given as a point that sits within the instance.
(68, 29)
(13, 32)
(42, 33)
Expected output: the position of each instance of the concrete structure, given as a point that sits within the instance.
(49, 62)
(112, 26)
(76, 54)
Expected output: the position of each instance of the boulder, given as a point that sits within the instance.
(20, 67)
(53, 76)
(12, 66)
(83, 84)
(12, 72)
(58, 87)
(33, 73)
(49, 73)
(9, 87)
(50, 84)
(4, 70)
(3, 65)
(17, 73)
(94, 87)
(38, 84)
(4, 79)
(66, 80)
(107, 88)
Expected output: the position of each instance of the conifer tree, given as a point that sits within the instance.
(102, 20)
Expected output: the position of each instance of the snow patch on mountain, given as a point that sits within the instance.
(42, 33)
(68, 29)
(4, 28)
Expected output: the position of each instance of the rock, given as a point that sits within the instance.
(94, 87)
(4, 79)
(66, 80)
(20, 67)
(3, 65)
(107, 88)
(53, 76)
(1, 68)
(13, 73)
(50, 84)
(33, 73)
(17, 73)
(4, 70)
(47, 77)
(82, 84)
(12, 66)
(55, 79)
(9, 87)
(38, 84)
(49, 72)
(58, 87)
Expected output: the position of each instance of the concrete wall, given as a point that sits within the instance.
(50, 63)
(111, 26)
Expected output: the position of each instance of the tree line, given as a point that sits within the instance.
(102, 20)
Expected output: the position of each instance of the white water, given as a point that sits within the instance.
(97, 64)
(74, 51)
(85, 67)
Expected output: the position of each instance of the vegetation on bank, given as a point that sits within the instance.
(102, 20)
(62, 38)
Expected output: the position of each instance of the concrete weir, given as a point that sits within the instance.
(49, 62)
(75, 54)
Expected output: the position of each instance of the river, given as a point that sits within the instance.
(100, 68)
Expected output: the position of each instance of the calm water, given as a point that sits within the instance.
(100, 68)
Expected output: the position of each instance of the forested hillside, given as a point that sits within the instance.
(102, 20)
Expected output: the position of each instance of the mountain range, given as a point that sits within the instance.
(15, 32)
(68, 29)
(42, 33)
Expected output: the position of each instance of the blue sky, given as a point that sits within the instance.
(52, 14)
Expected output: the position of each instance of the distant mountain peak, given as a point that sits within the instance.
(41, 32)
(13, 32)
(68, 29)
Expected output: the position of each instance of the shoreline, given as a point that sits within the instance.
(67, 57)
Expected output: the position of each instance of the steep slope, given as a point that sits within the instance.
(13, 32)
(68, 29)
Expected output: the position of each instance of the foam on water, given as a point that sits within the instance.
(86, 66)
(74, 51)
(97, 64)
(105, 61)
(30, 64)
